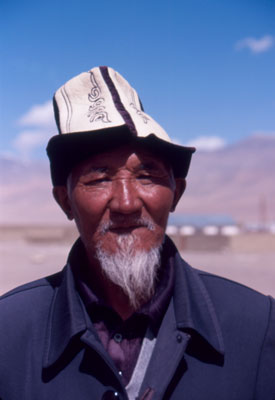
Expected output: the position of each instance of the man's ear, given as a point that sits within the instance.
(60, 193)
(178, 192)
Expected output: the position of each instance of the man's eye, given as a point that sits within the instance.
(97, 181)
(145, 178)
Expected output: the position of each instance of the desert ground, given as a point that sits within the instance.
(22, 261)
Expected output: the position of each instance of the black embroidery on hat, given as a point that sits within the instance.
(97, 109)
(139, 112)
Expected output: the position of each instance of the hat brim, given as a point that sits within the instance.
(67, 150)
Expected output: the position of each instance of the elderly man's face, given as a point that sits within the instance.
(121, 192)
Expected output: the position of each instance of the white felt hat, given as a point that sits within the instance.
(99, 109)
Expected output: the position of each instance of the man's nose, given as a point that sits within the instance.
(125, 198)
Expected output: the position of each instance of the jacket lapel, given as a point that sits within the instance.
(67, 318)
(190, 325)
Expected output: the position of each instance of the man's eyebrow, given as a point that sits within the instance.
(149, 165)
(97, 169)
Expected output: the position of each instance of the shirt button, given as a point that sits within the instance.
(118, 337)
(119, 373)
(111, 395)
(179, 338)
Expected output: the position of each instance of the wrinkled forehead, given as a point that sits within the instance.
(130, 155)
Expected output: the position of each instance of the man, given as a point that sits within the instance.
(127, 317)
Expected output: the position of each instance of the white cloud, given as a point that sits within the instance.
(40, 126)
(29, 140)
(39, 115)
(256, 45)
(207, 143)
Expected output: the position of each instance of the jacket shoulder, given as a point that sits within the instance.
(224, 288)
(28, 297)
(51, 281)
(238, 306)
(247, 320)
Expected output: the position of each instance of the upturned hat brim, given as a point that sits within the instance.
(66, 151)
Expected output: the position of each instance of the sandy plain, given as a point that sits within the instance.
(22, 261)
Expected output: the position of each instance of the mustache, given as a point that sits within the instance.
(125, 223)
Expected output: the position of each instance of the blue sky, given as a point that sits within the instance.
(204, 69)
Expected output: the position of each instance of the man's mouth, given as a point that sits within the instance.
(124, 227)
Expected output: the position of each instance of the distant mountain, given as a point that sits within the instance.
(238, 181)
(25, 193)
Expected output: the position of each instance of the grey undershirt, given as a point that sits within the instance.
(144, 357)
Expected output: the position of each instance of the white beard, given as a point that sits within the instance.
(134, 271)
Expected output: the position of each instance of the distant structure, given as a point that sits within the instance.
(218, 233)
(208, 225)
(202, 232)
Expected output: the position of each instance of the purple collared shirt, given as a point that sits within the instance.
(122, 339)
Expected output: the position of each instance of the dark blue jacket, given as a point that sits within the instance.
(216, 341)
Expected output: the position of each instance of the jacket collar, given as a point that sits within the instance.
(194, 310)
(67, 318)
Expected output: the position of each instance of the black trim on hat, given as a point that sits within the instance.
(56, 114)
(66, 151)
(117, 101)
